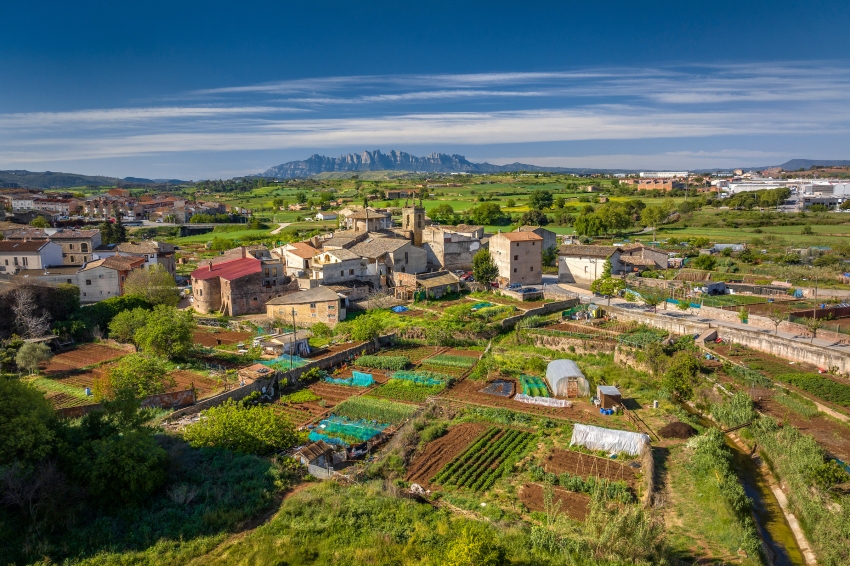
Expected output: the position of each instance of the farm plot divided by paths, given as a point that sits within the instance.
(441, 451)
(83, 356)
(584, 465)
(480, 465)
(575, 505)
(211, 338)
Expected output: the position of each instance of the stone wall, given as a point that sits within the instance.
(548, 308)
(292, 376)
(578, 345)
(174, 399)
(756, 338)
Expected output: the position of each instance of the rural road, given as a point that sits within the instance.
(280, 227)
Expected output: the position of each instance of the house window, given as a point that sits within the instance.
(72, 259)
(532, 268)
(312, 305)
(342, 273)
(274, 272)
(69, 281)
(351, 272)
(267, 272)
(15, 260)
(84, 247)
(88, 281)
(331, 307)
(514, 269)
(255, 298)
(516, 257)
(200, 292)
(71, 247)
(26, 261)
(405, 257)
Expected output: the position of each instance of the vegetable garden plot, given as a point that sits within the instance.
(533, 386)
(500, 387)
(357, 379)
(83, 356)
(404, 390)
(284, 363)
(349, 431)
(413, 353)
(440, 452)
(491, 457)
(423, 377)
(383, 362)
(449, 360)
(444, 370)
(575, 505)
(585, 465)
(378, 410)
(642, 337)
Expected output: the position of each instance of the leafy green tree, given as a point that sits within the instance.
(813, 324)
(534, 217)
(365, 328)
(125, 324)
(487, 214)
(776, 315)
(31, 354)
(156, 285)
(704, 261)
(252, 429)
(27, 423)
(589, 225)
(484, 269)
(126, 468)
(442, 211)
(743, 315)
(683, 304)
(608, 287)
(321, 330)
(681, 375)
(652, 217)
(476, 546)
(40, 222)
(540, 199)
(652, 298)
(510, 203)
(614, 216)
(143, 375)
(168, 332)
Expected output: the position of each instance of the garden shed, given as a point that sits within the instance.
(609, 396)
(566, 380)
(612, 441)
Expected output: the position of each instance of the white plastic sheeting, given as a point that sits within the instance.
(598, 438)
(559, 373)
(545, 401)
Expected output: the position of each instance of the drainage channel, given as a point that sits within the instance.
(778, 541)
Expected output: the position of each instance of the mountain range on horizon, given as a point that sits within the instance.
(352, 163)
(444, 163)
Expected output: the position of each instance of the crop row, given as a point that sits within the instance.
(452, 361)
(819, 386)
(450, 468)
(478, 470)
(374, 409)
(404, 390)
(383, 362)
(533, 386)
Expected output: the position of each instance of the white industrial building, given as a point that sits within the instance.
(663, 174)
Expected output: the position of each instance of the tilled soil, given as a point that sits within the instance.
(211, 338)
(584, 465)
(84, 356)
(441, 451)
(574, 505)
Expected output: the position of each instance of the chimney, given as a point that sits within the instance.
(209, 266)
(244, 252)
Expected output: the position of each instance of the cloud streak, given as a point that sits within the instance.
(395, 111)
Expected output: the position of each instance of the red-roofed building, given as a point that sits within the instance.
(239, 286)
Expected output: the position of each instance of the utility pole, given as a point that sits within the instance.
(814, 314)
(294, 336)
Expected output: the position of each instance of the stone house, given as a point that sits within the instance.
(550, 239)
(238, 286)
(77, 245)
(385, 256)
(154, 253)
(296, 257)
(319, 304)
(369, 220)
(519, 257)
(584, 264)
(332, 266)
(447, 248)
(635, 258)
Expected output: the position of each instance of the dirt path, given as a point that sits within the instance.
(280, 227)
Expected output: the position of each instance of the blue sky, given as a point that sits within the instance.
(219, 89)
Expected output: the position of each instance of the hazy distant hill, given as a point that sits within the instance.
(52, 180)
(795, 164)
(400, 161)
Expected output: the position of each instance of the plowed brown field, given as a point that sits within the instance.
(575, 505)
(584, 465)
(82, 356)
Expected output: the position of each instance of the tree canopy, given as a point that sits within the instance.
(484, 269)
(156, 285)
(252, 430)
(168, 332)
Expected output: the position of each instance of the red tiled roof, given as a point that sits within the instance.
(230, 270)
(520, 236)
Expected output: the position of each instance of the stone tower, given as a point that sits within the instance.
(413, 220)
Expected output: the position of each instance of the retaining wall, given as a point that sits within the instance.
(174, 399)
(548, 308)
(759, 339)
(292, 376)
